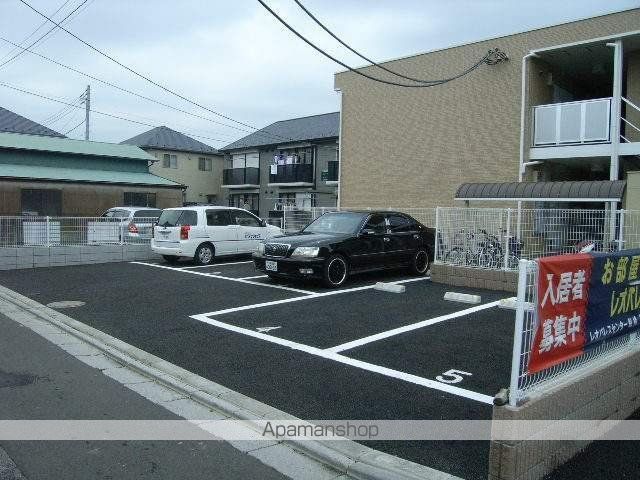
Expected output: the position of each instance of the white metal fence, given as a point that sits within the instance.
(497, 238)
(72, 231)
(295, 219)
(522, 382)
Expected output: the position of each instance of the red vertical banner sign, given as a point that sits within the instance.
(563, 294)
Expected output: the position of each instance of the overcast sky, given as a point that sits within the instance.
(233, 56)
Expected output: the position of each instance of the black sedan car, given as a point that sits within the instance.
(339, 244)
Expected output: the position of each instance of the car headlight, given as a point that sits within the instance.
(260, 248)
(306, 252)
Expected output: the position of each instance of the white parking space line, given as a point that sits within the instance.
(297, 299)
(269, 285)
(407, 377)
(408, 328)
(216, 265)
(255, 276)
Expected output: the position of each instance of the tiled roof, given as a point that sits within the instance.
(14, 123)
(164, 138)
(315, 127)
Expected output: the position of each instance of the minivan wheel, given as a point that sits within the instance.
(204, 255)
(419, 262)
(171, 259)
(335, 271)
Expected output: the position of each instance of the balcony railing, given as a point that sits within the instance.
(241, 176)
(571, 123)
(294, 173)
(334, 169)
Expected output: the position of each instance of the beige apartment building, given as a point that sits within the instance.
(564, 107)
(186, 161)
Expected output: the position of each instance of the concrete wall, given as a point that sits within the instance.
(34, 257)
(474, 277)
(82, 199)
(610, 392)
(199, 184)
(414, 146)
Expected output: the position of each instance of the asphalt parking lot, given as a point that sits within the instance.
(352, 353)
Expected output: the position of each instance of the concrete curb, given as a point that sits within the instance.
(346, 457)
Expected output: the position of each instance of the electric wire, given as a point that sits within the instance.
(57, 25)
(358, 72)
(45, 97)
(125, 90)
(146, 78)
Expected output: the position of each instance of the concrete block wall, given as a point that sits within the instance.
(610, 392)
(474, 277)
(34, 257)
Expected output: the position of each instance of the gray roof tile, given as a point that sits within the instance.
(315, 127)
(13, 123)
(164, 138)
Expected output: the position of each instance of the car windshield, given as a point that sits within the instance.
(174, 218)
(335, 223)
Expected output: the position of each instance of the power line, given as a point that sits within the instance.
(358, 72)
(39, 95)
(326, 29)
(61, 113)
(57, 25)
(129, 92)
(146, 78)
(69, 131)
(24, 40)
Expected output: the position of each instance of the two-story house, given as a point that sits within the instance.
(288, 163)
(185, 160)
(565, 106)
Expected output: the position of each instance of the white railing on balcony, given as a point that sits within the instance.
(570, 123)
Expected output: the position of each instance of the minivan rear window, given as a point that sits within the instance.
(177, 218)
(147, 214)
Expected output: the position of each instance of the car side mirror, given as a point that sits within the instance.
(367, 232)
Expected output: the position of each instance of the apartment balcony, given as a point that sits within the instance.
(293, 175)
(333, 173)
(581, 129)
(572, 129)
(241, 177)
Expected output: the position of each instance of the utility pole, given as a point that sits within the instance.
(87, 105)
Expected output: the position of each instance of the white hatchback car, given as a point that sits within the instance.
(204, 232)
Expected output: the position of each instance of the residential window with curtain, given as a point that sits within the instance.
(204, 164)
(169, 161)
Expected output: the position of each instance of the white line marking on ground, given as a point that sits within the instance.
(350, 361)
(280, 287)
(255, 276)
(216, 265)
(297, 299)
(408, 328)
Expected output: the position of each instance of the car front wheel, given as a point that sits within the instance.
(419, 262)
(204, 255)
(336, 271)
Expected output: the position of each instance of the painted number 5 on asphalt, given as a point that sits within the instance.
(452, 376)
